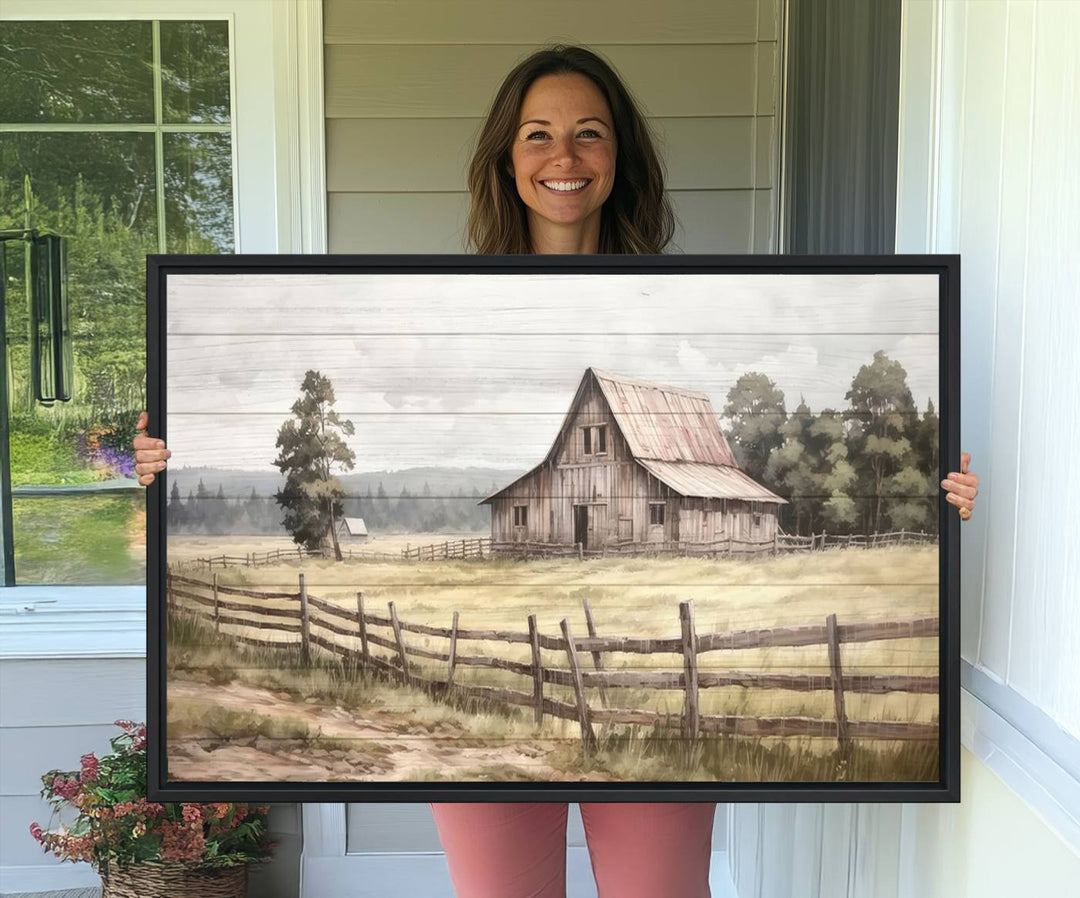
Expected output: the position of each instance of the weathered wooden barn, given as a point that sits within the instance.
(635, 463)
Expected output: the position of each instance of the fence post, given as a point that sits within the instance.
(588, 738)
(365, 657)
(217, 614)
(823, 532)
(838, 685)
(396, 624)
(538, 670)
(597, 660)
(453, 653)
(691, 722)
(305, 628)
(580, 552)
(776, 539)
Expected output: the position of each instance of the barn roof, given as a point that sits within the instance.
(673, 433)
(355, 526)
(709, 481)
(664, 423)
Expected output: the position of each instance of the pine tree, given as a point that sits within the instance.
(312, 450)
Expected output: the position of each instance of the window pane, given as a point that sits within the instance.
(195, 71)
(98, 191)
(76, 72)
(81, 539)
(198, 193)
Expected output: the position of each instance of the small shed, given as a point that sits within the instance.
(352, 530)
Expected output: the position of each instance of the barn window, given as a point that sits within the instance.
(656, 514)
(520, 515)
(755, 508)
(595, 439)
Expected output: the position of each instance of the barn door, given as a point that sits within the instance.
(581, 525)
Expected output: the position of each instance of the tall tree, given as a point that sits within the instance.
(882, 404)
(312, 450)
(755, 407)
(789, 468)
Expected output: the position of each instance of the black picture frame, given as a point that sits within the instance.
(946, 789)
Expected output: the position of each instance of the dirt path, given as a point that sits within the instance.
(387, 748)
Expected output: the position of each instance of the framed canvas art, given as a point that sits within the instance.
(585, 528)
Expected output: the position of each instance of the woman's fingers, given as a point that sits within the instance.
(960, 501)
(968, 488)
(150, 452)
(962, 487)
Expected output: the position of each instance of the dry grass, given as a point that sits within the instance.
(637, 597)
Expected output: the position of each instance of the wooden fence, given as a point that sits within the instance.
(204, 599)
(484, 546)
(455, 548)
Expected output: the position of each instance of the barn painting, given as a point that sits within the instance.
(636, 466)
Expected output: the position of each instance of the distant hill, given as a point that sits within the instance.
(443, 482)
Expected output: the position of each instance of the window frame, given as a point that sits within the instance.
(662, 514)
(279, 206)
(594, 439)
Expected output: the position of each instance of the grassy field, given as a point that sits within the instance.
(639, 597)
(185, 546)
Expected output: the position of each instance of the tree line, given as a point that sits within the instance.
(206, 510)
(869, 467)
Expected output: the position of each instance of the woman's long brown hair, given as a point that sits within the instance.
(637, 216)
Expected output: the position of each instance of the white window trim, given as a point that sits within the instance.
(280, 205)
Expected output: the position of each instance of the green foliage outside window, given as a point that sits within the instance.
(103, 191)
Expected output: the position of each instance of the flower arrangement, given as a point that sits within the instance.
(117, 825)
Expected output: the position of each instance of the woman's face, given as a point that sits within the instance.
(563, 154)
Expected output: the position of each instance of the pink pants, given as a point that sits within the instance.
(507, 850)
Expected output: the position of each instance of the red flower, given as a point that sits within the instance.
(181, 841)
(192, 813)
(65, 788)
(89, 768)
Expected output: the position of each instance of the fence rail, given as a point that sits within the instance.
(202, 599)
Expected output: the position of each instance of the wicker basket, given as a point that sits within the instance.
(171, 880)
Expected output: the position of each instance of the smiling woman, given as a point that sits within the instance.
(563, 165)
(560, 117)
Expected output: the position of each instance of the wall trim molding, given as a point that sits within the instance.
(1046, 786)
(299, 113)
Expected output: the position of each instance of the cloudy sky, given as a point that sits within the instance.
(464, 370)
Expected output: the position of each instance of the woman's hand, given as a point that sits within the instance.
(961, 488)
(150, 453)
